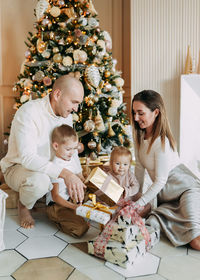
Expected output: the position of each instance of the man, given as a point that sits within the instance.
(27, 167)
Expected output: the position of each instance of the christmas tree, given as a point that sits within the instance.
(68, 40)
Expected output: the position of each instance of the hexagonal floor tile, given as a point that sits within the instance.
(47, 268)
(77, 275)
(13, 238)
(42, 227)
(179, 268)
(77, 258)
(145, 266)
(41, 247)
(194, 253)
(11, 223)
(165, 248)
(11, 257)
(92, 233)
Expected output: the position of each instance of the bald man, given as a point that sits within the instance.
(27, 166)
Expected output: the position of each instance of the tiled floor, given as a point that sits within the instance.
(46, 253)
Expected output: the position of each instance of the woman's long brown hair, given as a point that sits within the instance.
(161, 128)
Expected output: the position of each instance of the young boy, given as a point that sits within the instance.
(61, 208)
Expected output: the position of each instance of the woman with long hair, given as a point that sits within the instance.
(176, 188)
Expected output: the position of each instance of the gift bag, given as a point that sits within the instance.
(3, 197)
(104, 186)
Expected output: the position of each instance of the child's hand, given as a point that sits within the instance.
(73, 206)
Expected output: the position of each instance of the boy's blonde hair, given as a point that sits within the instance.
(120, 151)
(61, 134)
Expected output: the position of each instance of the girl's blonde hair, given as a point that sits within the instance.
(120, 151)
(161, 128)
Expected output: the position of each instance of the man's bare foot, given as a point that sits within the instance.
(26, 220)
(195, 243)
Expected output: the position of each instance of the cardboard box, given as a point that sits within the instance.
(13, 197)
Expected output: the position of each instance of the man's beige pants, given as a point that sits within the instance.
(30, 185)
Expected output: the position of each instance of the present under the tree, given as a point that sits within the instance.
(104, 186)
(124, 234)
(96, 212)
(121, 254)
(154, 236)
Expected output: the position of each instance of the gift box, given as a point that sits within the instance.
(104, 186)
(98, 213)
(124, 221)
(125, 234)
(13, 197)
(3, 197)
(154, 235)
(120, 254)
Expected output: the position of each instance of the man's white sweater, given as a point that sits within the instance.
(30, 138)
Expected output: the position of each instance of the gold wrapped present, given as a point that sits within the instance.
(13, 197)
(104, 186)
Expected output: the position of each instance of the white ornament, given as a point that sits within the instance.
(80, 56)
(115, 103)
(92, 23)
(41, 8)
(89, 126)
(55, 11)
(67, 61)
(28, 83)
(119, 82)
(24, 98)
(46, 54)
(93, 76)
(108, 40)
(92, 144)
(112, 111)
(82, 21)
(101, 43)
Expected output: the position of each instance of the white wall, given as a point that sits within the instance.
(161, 33)
(190, 121)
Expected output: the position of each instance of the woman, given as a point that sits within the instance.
(176, 188)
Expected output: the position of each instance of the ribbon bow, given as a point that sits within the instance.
(96, 205)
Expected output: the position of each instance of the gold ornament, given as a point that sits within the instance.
(69, 39)
(110, 130)
(52, 35)
(67, 61)
(107, 74)
(92, 75)
(41, 46)
(55, 11)
(80, 147)
(39, 76)
(99, 146)
(75, 117)
(188, 64)
(121, 140)
(41, 7)
(99, 122)
(119, 82)
(92, 145)
(57, 58)
(69, 12)
(55, 50)
(93, 156)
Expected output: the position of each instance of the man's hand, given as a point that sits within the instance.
(74, 185)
